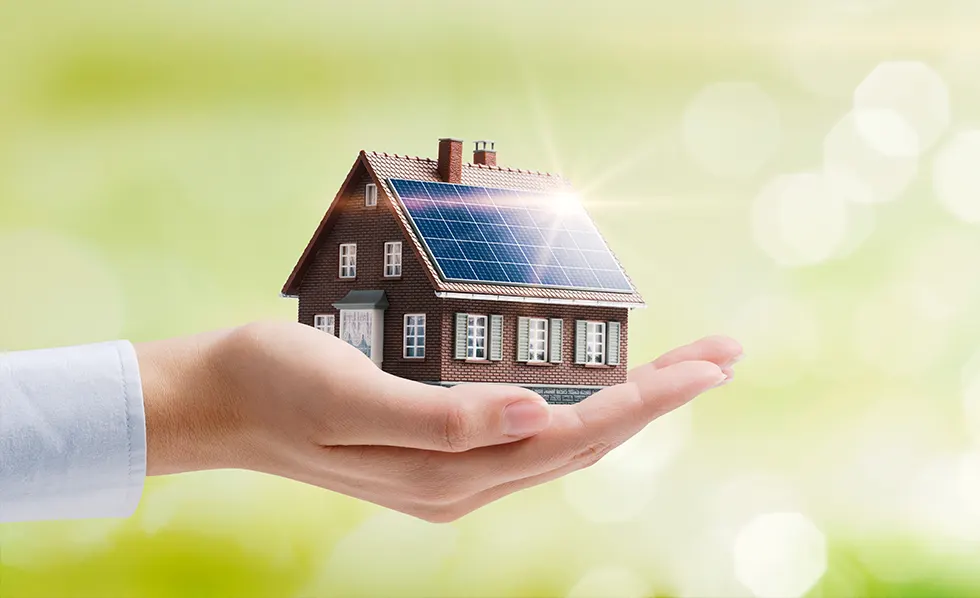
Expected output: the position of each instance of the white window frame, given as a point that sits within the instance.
(475, 325)
(410, 330)
(325, 323)
(393, 259)
(348, 260)
(370, 195)
(595, 343)
(537, 340)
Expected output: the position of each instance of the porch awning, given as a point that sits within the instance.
(363, 300)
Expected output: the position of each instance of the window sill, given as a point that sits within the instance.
(407, 358)
(478, 361)
(598, 366)
(537, 363)
(386, 277)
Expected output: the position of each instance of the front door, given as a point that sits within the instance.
(361, 328)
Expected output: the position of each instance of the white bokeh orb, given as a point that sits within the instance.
(956, 176)
(799, 220)
(887, 132)
(780, 555)
(902, 106)
(620, 486)
(731, 129)
(858, 172)
(861, 224)
(610, 582)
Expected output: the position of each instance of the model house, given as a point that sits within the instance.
(448, 272)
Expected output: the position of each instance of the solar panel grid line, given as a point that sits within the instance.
(542, 248)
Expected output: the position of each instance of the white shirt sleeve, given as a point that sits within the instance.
(72, 433)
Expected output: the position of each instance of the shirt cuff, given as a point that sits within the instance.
(72, 433)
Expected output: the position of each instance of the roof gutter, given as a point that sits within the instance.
(548, 300)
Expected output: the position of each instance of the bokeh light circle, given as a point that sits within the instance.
(914, 99)
(858, 172)
(799, 219)
(780, 555)
(956, 176)
(731, 129)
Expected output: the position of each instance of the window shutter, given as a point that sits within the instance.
(612, 343)
(461, 320)
(555, 346)
(522, 326)
(496, 337)
(580, 332)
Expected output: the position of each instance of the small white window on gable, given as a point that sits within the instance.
(324, 322)
(348, 260)
(393, 259)
(370, 195)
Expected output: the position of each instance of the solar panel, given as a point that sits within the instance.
(510, 237)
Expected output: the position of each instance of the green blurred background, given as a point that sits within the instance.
(803, 175)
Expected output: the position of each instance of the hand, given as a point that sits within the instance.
(289, 400)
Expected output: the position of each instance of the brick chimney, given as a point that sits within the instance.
(482, 155)
(450, 160)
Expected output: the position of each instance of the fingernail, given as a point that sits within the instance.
(735, 360)
(728, 378)
(525, 418)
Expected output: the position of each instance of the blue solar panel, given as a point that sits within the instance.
(505, 236)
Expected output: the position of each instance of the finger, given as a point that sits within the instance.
(604, 420)
(403, 413)
(648, 394)
(720, 350)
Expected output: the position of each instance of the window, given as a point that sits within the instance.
(348, 260)
(537, 340)
(414, 335)
(324, 322)
(595, 343)
(476, 337)
(371, 195)
(393, 259)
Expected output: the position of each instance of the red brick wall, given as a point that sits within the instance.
(370, 228)
(509, 369)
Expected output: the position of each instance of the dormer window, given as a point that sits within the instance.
(370, 195)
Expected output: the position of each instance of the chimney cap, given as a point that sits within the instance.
(450, 139)
(481, 146)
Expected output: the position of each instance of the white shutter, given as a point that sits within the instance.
(461, 320)
(522, 333)
(581, 327)
(612, 343)
(555, 346)
(496, 338)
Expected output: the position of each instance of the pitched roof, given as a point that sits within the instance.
(384, 166)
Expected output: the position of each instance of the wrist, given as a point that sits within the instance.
(189, 412)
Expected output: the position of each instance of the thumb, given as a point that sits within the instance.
(454, 419)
